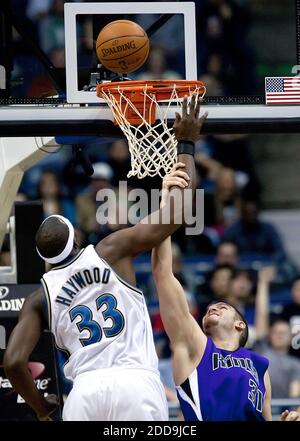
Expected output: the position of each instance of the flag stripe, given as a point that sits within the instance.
(284, 102)
(279, 99)
(286, 94)
(282, 90)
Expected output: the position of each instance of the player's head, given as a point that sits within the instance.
(221, 318)
(55, 239)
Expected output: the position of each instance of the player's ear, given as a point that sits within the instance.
(240, 325)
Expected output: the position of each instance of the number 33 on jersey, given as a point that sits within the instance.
(97, 318)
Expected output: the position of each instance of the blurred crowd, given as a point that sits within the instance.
(238, 258)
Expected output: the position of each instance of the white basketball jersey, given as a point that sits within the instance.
(97, 318)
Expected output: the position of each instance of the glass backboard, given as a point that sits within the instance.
(83, 22)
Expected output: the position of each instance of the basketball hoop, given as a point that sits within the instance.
(141, 110)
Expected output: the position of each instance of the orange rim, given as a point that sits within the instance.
(162, 89)
(134, 91)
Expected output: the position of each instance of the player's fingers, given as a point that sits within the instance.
(182, 174)
(174, 184)
(288, 418)
(179, 165)
(192, 104)
(203, 118)
(179, 182)
(284, 415)
(197, 110)
(292, 416)
(177, 118)
(184, 107)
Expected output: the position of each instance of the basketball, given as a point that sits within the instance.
(122, 46)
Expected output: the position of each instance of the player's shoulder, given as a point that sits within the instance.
(35, 301)
(257, 358)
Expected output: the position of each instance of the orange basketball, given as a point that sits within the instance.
(122, 46)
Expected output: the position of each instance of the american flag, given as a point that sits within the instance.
(283, 90)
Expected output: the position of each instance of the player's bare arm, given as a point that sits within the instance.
(23, 340)
(186, 337)
(267, 413)
(145, 235)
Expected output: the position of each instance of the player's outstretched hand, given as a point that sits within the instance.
(188, 125)
(176, 178)
(292, 415)
(51, 403)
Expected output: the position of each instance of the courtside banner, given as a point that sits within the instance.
(42, 363)
(12, 298)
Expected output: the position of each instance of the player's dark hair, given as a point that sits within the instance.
(51, 237)
(245, 332)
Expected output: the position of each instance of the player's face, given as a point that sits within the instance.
(218, 314)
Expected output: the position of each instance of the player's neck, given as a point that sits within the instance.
(71, 256)
(225, 343)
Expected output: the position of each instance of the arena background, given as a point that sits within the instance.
(251, 183)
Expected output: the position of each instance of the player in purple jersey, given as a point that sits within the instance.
(215, 376)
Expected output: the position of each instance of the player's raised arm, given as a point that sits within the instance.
(187, 339)
(148, 233)
(22, 341)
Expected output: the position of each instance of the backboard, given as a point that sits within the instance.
(80, 16)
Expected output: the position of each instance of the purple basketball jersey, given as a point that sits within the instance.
(225, 386)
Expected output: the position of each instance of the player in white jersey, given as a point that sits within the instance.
(95, 312)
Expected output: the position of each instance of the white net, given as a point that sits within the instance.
(152, 147)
